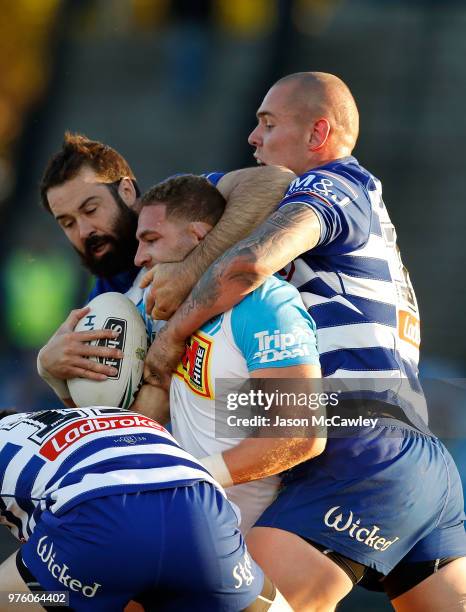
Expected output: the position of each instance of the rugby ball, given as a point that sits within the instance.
(113, 311)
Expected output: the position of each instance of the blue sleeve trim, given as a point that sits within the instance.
(213, 177)
(343, 207)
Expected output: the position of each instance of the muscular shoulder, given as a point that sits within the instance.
(274, 293)
(336, 183)
(271, 327)
(343, 195)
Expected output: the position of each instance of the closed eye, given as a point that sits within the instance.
(67, 224)
(148, 239)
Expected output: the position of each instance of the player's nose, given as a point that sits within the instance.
(141, 259)
(85, 228)
(254, 137)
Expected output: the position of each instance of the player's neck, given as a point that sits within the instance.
(323, 160)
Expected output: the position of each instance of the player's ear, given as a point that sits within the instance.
(127, 191)
(319, 134)
(199, 229)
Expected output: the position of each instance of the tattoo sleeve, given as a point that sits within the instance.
(245, 266)
(252, 194)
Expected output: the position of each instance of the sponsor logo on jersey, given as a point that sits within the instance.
(409, 328)
(194, 367)
(59, 571)
(277, 346)
(368, 536)
(318, 186)
(77, 430)
(242, 572)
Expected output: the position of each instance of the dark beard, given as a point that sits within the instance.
(123, 244)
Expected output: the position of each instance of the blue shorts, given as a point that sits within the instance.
(182, 544)
(379, 496)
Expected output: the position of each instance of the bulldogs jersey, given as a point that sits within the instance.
(355, 285)
(121, 283)
(270, 328)
(55, 459)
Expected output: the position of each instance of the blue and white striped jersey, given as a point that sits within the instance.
(354, 282)
(55, 459)
(355, 285)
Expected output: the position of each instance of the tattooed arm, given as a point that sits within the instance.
(287, 233)
(251, 195)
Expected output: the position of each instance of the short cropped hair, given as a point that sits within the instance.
(187, 196)
(78, 151)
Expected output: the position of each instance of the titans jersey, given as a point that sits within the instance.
(270, 328)
(355, 285)
(55, 459)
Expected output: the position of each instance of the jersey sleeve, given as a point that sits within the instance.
(272, 328)
(213, 177)
(342, 206)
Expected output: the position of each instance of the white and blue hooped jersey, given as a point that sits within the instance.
(55, 459)
(354, 282)
(270, 328)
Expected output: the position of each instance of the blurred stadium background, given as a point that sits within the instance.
(174, 84)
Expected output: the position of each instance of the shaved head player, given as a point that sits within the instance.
(365, 512)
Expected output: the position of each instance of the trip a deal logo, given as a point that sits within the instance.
(194, 367)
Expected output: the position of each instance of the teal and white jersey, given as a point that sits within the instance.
(270, 328)
(138, 297)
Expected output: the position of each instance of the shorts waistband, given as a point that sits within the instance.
(387, 414)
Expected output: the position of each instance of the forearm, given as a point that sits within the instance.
(256, 458)
(58, 386)
(252, 194)
(152, 402)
